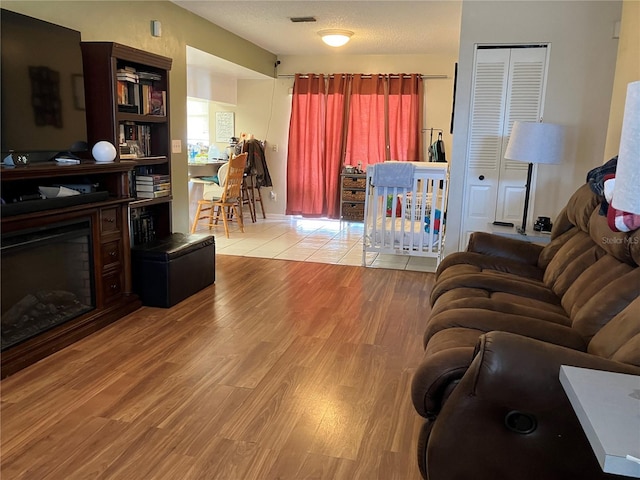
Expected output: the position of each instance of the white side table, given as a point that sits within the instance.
(608, 407)
(511, 232)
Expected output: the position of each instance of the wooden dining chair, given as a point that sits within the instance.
(225, 201)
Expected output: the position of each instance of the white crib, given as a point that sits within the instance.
(405, 221)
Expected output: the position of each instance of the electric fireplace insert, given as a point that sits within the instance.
(47, 278)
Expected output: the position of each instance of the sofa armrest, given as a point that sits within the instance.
(436, 378)
(504, 247)
(512, 373)
(497, 350)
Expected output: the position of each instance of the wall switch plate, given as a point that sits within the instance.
(273, 195)
(176, 146)
(274, 147)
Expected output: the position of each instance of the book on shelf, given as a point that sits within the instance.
(136, 93)
(157, 102)
(130, 149)
(127, 78)
(149, 76)
(153, 178)
(146, 98)
(127, 108)
(152, 101)
(158, 194)
(149, 187)
(127, 74)
(142, 226)
(134, 138)
(123, 93)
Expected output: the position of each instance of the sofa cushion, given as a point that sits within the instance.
(478, 319)
(628, 352)
(600, 293)
(575, 267)
(619, 339)
(500, 302)
(572, 248)
(494, 281)
(549, 251)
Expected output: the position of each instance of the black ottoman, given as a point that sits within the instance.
(168, 270)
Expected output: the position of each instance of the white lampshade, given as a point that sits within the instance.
(104, 151)
(535, 142)
(335, 37)
(626, 191)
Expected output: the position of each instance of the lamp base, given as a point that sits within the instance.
(521, 230)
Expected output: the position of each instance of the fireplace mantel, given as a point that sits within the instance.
(110, 245)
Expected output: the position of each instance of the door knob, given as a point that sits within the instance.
(481, 177)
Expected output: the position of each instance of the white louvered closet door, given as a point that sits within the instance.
(508, 85)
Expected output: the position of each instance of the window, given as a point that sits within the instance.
(197, 121)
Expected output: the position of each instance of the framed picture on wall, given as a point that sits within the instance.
(225, 128)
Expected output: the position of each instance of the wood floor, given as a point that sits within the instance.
(281, 370)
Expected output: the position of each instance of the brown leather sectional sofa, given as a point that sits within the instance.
(505, 316)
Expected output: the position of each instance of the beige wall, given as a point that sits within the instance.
(580, 80)
(627, 71)
(129, 23)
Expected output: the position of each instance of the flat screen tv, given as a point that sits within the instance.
(42, 88)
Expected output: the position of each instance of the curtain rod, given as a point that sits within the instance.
(424, 77)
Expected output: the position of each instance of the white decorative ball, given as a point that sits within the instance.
(104, 151)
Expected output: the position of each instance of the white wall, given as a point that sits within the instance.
(581, 69)
(263, 111)
(201, 84)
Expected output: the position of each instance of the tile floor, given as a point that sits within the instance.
(308, 240)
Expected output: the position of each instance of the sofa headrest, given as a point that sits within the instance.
(625, 246)
(580, 207)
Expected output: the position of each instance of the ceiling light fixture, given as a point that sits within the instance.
(335, 37)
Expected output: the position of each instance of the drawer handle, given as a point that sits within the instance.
(113, 254)
(114, 286)
(481, 177)
(110, 220)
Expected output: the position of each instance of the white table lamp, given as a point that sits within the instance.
(534, 143)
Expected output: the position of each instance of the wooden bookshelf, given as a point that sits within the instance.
(106, 121)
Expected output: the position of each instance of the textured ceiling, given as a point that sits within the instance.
(380, 27)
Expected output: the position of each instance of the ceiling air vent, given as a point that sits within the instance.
(303, 19)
